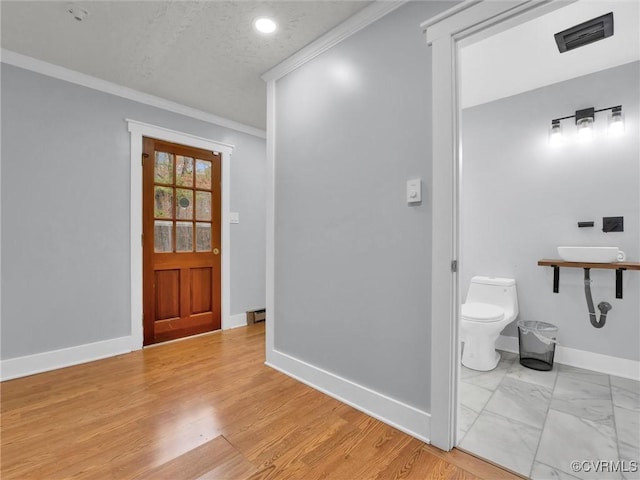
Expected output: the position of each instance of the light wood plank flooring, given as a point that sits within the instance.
(203, 408)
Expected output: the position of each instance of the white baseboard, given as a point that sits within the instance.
(620, 367)
(65, 357)
(235, 321)
(399, 415)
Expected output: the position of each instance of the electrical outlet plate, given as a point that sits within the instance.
(234, 217)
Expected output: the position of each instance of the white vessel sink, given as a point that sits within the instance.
(589, 254)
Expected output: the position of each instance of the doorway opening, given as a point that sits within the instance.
(181, 241)
(519, 198)
(138, 131)
(462, 25)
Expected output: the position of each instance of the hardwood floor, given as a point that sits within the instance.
(203, 408)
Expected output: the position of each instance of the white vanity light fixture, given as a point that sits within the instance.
(265, 25)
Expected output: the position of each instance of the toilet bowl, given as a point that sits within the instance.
(491, 304)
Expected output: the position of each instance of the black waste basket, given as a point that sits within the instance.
(537, 341)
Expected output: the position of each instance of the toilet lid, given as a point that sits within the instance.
(482, 312)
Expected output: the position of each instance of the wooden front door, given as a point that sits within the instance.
(181, 241)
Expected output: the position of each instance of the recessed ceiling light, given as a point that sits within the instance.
(265, 25)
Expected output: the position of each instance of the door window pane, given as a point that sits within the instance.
(203, 174)
(203, 237)
(163, 171)
(184, 204)
(162, 236)
(184, 237)
(203, 205)
(184, 171)
(163, 202)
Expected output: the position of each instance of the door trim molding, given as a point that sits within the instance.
(270, 238)
(445, 34)
(137, 131)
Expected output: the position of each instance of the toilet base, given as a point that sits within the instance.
(481, 363)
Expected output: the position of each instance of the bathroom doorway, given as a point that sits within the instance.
(518, 200)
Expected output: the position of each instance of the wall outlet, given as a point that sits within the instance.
(613, 224)
(234, 217)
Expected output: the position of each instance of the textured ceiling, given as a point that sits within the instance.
(203, 54)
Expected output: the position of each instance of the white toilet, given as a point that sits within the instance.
(492, 303)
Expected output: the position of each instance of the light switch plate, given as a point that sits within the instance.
(234, 217)
(414, 191)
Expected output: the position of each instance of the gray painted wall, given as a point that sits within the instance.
(521, 198)
(352, 262)
(65, 212)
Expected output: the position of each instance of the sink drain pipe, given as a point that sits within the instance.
(604, 307)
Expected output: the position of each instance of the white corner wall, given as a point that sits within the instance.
(352, 280)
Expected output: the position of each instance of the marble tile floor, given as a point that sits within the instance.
(537, 423)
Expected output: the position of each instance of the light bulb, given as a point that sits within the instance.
(585, 129)
(265, 25)
(555, 133)
(616, 122)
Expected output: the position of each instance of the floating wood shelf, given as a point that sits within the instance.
(619, 267)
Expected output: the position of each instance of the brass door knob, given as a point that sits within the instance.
(216, 251)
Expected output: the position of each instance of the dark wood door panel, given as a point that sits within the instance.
(201, 288)
(167, 294)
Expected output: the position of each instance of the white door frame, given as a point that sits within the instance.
(139, 130)
(446, 34)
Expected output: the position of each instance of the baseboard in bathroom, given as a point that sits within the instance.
(597, 362)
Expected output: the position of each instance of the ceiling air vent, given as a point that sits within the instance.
(585, 33)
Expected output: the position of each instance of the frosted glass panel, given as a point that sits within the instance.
(184, 204)
(163, 171)
(162, 236)
(163, 202)
(184, 171)
(203, 174)
(203, 237)
(203, 206)
(184, 237)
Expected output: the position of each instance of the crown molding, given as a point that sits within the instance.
(450, 12)
(353, 24)
(29, 63)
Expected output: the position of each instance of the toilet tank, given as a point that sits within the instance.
(494, 291)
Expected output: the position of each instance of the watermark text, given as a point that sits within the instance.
(604, 466)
